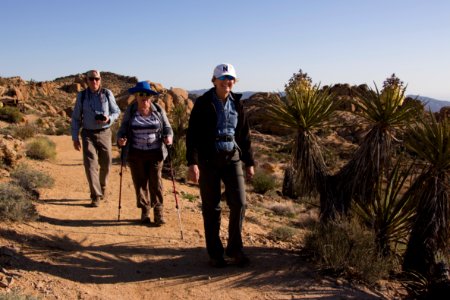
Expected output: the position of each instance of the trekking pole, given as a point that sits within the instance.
(175, 192)
(120, 185)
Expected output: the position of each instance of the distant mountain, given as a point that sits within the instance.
(245, 95)
(430, 103)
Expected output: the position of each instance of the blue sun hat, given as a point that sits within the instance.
(142, 87)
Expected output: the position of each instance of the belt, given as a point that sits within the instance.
(225, 138)
(96, 130)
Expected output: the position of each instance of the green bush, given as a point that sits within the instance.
(346, 248)
(188, 196)
(282, 233)
(10, 114)
(30, 179)
(24, 132)
(15, 204)
(178, 155)
(263, 182)
(41, 148)
(62, 128)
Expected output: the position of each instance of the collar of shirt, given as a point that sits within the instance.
(229, 97)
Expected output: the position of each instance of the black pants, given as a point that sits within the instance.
(212, 172)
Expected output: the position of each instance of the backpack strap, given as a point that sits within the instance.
(83, 96)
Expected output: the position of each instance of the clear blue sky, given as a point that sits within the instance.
(178, 43)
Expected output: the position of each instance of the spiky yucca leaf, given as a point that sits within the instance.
(303, 110)
(385, 109)
(385, 117)
(390, 215)
(430, 140)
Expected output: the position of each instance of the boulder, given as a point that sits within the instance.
(49, 108)
(11, 150)
(444, 113)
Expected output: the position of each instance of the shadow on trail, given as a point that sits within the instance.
(89, 222)
(127, 262)
(66, 202)
(70, 165)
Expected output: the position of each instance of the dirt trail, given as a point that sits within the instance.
(77, 252)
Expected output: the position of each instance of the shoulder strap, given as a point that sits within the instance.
(158, 108)
(83, 96)
(106, 93)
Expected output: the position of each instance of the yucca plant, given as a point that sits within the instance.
(385, 116)
(390, 214)
(304, 109)
(430, 141)
(179, 119)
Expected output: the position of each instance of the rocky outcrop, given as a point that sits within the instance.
(444, 113)
(11, 151)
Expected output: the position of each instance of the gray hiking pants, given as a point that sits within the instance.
(97, 153)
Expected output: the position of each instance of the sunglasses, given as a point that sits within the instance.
(93, 78)
(227, 77)
(142, 94)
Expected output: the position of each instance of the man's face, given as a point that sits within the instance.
(94, 83)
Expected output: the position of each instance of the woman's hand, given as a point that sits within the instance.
(122, 142)
(193, 173)
(250, 171)
(168, 140)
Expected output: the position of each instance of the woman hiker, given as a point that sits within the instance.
(144, 132)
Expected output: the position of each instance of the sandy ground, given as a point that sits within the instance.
(77, 252)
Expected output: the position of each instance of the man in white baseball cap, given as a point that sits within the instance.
(218, 142)
(224, 70)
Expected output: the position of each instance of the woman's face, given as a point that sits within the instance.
(143, 99)
(224, 84)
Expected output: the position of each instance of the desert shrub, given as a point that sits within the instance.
(10, 114)
(178, 155)
(15, 295)
(15, 205)
(30, 179)
(41, 148)
(282, 233)
(346, 248)
(25, 131)
(179, 119)
(263, 182)
(286, 209)
(114, 129)
(188, 196)
(62, 128)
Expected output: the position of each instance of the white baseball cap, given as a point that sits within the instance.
(224, 69)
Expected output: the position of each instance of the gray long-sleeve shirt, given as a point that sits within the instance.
(101, 102)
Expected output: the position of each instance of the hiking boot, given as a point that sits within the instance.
(217, 262)
(95, 202)
(240, 259)
(145, 215)
(104, 193)
(159, 215)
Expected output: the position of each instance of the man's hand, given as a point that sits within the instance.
(168, 140)
(105, 121)
(77, 145)
(193, 173)
(250, 172)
